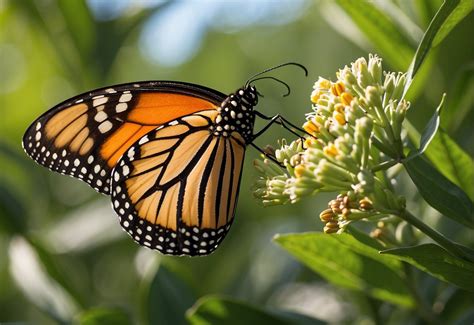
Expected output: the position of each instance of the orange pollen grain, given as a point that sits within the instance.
(346, 98)
(330, 150)
(308, 142)
(340, 118)
(299, 170)
(315, 96)
(310, 127)
(339, 108)
(338, 88)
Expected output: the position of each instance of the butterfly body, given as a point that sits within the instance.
(170, 154)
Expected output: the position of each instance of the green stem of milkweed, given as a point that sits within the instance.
(452, 247)
(384, 165)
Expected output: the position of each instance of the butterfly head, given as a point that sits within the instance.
(236, 113)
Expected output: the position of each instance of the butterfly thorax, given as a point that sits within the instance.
(236, 114)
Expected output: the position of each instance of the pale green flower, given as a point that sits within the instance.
(356, 125)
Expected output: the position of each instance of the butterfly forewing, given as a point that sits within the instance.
(175, 189)
(86, 135)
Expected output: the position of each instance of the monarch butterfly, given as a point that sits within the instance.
(169, 154)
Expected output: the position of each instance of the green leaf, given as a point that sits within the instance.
(347, 263)
(462, 9)
(448, 16)
(449, 159)
(454, 163)
(426, 10)
(80, 26)
(222, 310)
(431, 128)
(461, 97)
(439, 192)
(105, 316)
(363, 244)
(168, 298)
(436, 261)
(381, 31)
(54, 270)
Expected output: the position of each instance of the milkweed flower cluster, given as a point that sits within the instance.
(354, 133)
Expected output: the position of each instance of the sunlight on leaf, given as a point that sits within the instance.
(104, 316)
(381, 30)
(31, 277)
(332, 258)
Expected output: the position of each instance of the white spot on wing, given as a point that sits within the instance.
(100, 116)
(121, 107)
(125, 170)
(143, 140)
(100, 101)
(105, 126)
(125, 98)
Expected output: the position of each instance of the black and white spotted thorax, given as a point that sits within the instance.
(236, 114)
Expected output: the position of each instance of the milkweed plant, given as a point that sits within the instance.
(354, 135)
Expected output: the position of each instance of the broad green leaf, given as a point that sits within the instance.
(336, 258)
(222, 310)
(363, 244)
(439, 192)
(452, 161)
(448, 158)
(381, 31)
(104, 316)
(436, 261)
(168, 298)
(448, 16)
(431, 128)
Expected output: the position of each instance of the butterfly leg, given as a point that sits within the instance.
(278, 119)
(267, 155)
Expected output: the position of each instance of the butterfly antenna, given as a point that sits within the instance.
(277, 80)
(251, 79)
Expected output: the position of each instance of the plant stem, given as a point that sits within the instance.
(384, 165)
(452, 247)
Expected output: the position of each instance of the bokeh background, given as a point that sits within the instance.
(62, 251)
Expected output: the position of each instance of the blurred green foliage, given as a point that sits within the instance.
(64, 256)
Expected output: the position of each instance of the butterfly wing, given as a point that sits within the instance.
(85, 136)
(175, 190)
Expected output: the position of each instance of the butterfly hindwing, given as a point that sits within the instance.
(86, 135)
(176, 188)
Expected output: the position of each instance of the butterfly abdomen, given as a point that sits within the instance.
(236, 114)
